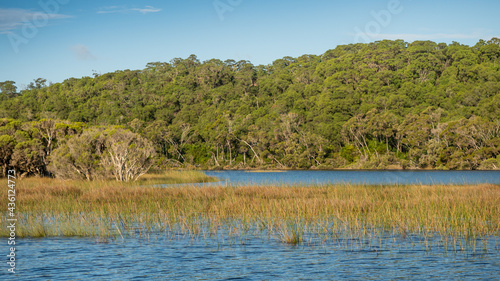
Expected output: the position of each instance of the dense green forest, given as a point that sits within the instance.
(387, 104)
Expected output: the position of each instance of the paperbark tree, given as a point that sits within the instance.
(128, 155)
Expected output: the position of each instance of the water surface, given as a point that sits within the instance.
(183, 258)
(265, 257)
(353, 177)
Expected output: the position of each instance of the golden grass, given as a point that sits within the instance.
(173, 177)
(48, 207)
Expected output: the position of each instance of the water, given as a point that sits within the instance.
(177, 257)
(354, 177)
(183, 258)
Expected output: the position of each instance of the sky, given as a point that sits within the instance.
(60, 39)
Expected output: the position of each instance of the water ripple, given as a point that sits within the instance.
(260, 259)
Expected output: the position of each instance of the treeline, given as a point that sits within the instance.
(388, 104)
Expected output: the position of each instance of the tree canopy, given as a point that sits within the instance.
(378, 105)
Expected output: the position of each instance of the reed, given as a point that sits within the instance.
(448, 216)
(291, 232)
(173, 177)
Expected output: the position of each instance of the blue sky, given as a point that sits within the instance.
(59, 39)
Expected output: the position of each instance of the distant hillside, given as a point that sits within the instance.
(388, 104)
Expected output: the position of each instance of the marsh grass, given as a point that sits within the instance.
(173, 177)
(350, 216)
(291, 232)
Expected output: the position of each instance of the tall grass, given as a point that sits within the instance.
(456, 216)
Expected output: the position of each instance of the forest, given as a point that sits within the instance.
(381, 105)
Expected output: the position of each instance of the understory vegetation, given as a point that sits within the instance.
(443, 213)
(387, 104)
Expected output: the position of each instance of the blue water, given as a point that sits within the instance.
(354, 177)
(264, 258)
(183, 258)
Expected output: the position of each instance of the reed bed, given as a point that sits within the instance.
(361, 216)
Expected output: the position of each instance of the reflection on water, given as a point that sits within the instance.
(258, 258)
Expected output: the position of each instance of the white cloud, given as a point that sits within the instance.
(82, 52)
(11, 19)
(111, 9)
(123, 10)
(147, 9)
